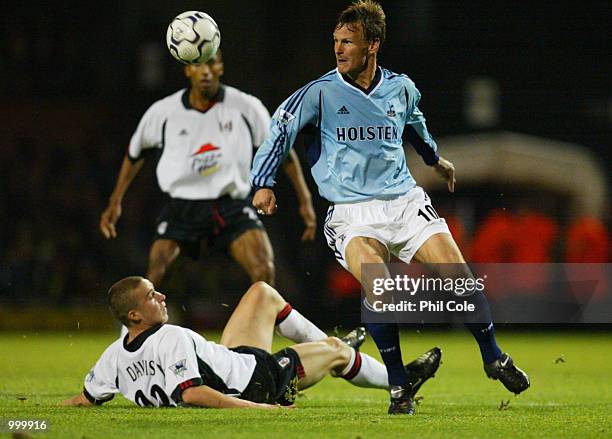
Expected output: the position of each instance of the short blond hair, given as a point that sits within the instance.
(371, 16)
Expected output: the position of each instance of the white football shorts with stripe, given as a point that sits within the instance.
(402, 224)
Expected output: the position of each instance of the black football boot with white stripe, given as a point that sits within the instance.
(423, 368)
(503, 369)
(420, 370)
(402, 402)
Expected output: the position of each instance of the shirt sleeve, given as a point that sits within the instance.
(258, 118)
(415, 131)
(180, 363)
(300, 109)
(148, 134)
(101, 382)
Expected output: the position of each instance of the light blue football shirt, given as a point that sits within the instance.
(354, 137)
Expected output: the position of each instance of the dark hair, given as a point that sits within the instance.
(120, 298)
(371, 16)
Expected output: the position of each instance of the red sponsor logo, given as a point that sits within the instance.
(205, 148)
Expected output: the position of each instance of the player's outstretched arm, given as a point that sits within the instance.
(446, 170)
(78, 401)
(293, 169)
(204, 396)
(111, 214)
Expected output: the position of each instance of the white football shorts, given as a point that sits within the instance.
(402, 224)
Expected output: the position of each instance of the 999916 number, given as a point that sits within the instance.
(8, 425)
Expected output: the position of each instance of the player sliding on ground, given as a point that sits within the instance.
(158, 364)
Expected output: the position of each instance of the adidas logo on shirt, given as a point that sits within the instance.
(343, 110)
(183, 132)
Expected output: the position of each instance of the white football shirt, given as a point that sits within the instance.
(204, 155)
(160, 363)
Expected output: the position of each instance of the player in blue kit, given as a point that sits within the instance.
(355, 119)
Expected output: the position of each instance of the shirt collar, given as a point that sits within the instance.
(136, 344)
(219, 98)
(375, 82)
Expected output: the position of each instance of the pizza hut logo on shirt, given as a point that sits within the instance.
(208, 147)
(206, 159)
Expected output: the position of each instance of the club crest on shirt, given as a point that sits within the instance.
(179, 367)
(395, 108)
(90, 376)
(284, 117)
(225, 127)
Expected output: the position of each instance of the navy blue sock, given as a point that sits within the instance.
(386, 337)
(480, 325)
(484, 333)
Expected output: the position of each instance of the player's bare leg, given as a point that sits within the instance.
(439, 248)
(362, 250)
(163, 252)
(321, 358)
(252, 322)
(261, 310)
(253, 251)
(442, 249)
(332, 356)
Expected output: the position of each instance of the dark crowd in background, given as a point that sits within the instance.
(76, 78)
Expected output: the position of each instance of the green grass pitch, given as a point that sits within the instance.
(571, 394)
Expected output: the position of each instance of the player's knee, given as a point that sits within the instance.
(162, 255)
(157, 269)
(263, 270)
(340, 354)
(452, 256)
(264, 294)
(337, 346)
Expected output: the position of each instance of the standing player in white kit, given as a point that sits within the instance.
(206, 135)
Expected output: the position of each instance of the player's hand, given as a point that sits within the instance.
(76, 401)
(310, 221)
(265, 201)
(446, 170)
(108, 219)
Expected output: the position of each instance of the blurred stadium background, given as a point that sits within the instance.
(517, 94)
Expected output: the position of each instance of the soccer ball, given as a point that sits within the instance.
(193, 37)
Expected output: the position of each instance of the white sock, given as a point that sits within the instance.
(365, 371)
(296, 327)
